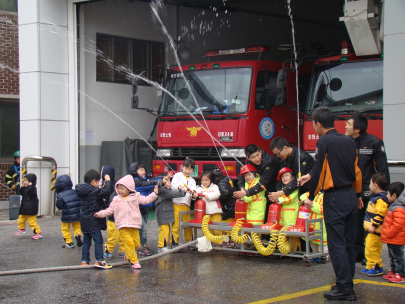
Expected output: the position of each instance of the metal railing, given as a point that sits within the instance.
(396, 163)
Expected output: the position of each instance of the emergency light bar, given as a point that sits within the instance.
(245, 50)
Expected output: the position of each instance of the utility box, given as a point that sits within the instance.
(14, 202)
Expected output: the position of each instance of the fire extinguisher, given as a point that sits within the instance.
(273, 217)
(199, 212)
(240, 213)
(303, 215)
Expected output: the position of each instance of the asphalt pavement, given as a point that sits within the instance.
(189, 277)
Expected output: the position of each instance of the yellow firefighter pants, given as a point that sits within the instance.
(188, 233)
(231, 219)
(67, 235)
(113, 237)
(131, 239)
(32, 222)
(164, 235)
(373, 250)
(217, 217)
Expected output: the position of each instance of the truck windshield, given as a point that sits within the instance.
(347, 87)
(217, 91)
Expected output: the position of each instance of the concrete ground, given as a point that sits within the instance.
(189, 277)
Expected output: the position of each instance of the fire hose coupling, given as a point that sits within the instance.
(207, 233)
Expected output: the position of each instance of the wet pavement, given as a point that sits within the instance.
(189, 277)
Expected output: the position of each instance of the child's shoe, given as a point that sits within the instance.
(376, 271)
(175, 246)
(365, 270)
(102, 264)
(397, 279)
(20, 232)
(389, 275)
(108, 255)
(162, 249)
(318, 260)
(79, 242)
(37, 236)
(84, 263)
(145, 251)
(136, 266)
(121, 255)
(70, 245)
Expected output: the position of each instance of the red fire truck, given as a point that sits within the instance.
(242, 102)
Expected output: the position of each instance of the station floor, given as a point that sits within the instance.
(189, 277)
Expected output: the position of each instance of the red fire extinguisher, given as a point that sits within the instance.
(303, 215)
(240, 213)
(199, 212)
(273, 217)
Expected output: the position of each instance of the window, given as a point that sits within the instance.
(9, 128)
(260, 92)
(119, 57)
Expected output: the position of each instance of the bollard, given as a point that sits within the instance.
(14, 202)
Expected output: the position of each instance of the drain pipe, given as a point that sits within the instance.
(79, 267)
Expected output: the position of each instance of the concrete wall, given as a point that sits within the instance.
(394, 89)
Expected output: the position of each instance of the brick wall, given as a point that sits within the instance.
(9, 80)
(5, 192)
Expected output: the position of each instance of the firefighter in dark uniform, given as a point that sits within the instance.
(372, 159)
(267, 166)
(335, 171)
(288, 156)
(13, 173)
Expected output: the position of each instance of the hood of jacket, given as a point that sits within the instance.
(400, 201)
(82, 190)
(128, 182)
(132, 170)
(32, 178)
(63, 182)
(383, 195)
(108, 170)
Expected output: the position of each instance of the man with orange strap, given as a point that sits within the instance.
(335, 171)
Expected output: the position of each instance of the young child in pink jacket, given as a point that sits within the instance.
(125, 207)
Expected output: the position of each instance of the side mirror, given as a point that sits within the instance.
(280, 99)
(281, 78)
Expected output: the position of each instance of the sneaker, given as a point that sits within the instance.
(192, 248)
(136, 266)
(318, 260)
(84, 263)
(376, 271)
(37, 236)
(162, 249)
(389, 275)
(365, 270)
(102, 264)
(79, 242)
(108, 255)
(397, 279)
(70, 245)
(145, 251)
(175, 246)
(21, 231)
(121, 255)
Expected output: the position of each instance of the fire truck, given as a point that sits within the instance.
(238, 101)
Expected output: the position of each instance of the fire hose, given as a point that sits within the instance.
(283, 243)
(79, 267)
(235, 233)
(272, 243)
(207, 233)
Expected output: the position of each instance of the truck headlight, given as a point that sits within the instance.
(233, 153)
(163, 152)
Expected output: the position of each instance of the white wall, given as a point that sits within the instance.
(394, 89)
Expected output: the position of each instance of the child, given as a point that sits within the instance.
(226, 199)
(125, 207)
(90, 194)
(373, 220)
(316, 213)
(393, 232)
(165, 211)
(29, 207)
(210, 194)
(68, 201)
(291, 205)
(101, 201)
(183, 203)
(145, 187)
(256, 204)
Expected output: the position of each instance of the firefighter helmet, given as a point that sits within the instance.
(282, 171)
(247, 168)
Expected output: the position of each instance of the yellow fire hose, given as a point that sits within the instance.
(272, 243)
(207, 233)
(235, 233)
(283, 242)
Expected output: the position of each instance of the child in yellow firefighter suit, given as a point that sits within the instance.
(256, 204)
(373, 222)
(290, 203)
(127, 216)
(317, 213)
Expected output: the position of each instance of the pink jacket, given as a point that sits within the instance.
(126, 211)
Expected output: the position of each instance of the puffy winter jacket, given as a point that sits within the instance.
(67, 199)
(126, 210)
(393, 230)
(164, 204)
(180, 179)
(226, 199)
(89, 196)
(376, 211)
(29, 200)
(212, 204)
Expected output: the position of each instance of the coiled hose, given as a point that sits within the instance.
(283, 243)
(235, 233)
(272, 243)
(207, 233)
